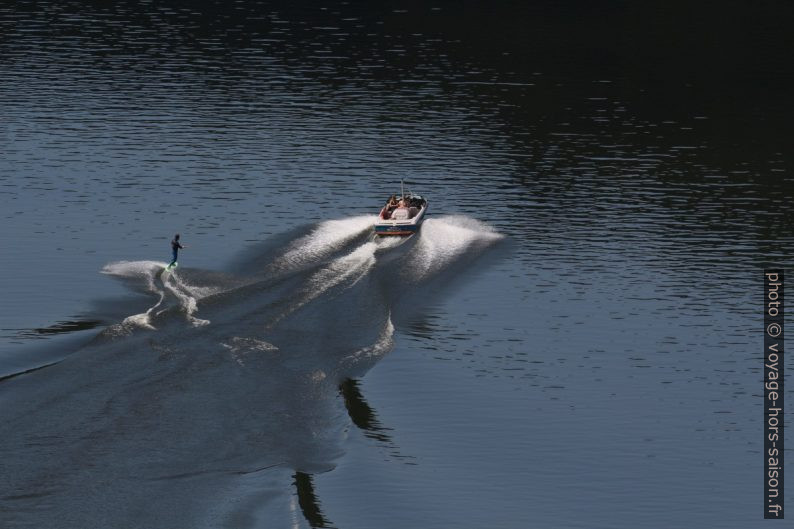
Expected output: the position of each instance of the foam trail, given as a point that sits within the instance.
(240, 347)
(186, 295)
(152, 277)
(444, 239)
(383, 345)
(356, 263)
(351, 267)
(139, 273)
(386, 243)
(324, 240)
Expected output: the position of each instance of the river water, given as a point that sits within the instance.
(572, 340)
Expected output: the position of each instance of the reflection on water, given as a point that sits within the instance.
(307, 499)
(360, 412)
(62, 327)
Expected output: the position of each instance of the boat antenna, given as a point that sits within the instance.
(402, 191)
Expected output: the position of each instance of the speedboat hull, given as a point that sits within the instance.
(390, 223)
(382, 228)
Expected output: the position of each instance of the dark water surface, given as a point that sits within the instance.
(571, 341)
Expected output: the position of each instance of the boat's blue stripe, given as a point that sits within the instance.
(389, 228)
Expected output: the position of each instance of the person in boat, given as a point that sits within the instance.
(401, 213)
(175, 247)
(391, 203)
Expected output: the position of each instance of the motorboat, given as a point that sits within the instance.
(401, 215)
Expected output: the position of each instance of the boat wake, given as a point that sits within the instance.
(152, 277)
(224, 387)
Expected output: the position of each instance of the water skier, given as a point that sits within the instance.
(175, 247)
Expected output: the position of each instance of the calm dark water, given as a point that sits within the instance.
(571, 341)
